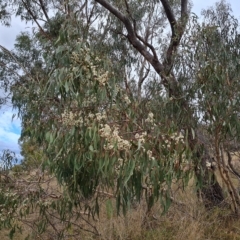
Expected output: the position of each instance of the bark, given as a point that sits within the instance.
(210, 190)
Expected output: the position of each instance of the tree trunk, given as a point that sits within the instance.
(209, 190)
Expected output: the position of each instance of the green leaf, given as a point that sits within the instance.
(66, 85)
(109, 209)
(91, 148)
(193, 133)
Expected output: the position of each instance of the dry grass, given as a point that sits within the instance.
(186, 219)
(181, 223)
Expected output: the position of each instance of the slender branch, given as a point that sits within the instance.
(177, 31)
(126, 82)
(53, 226)
(15, 59)
(143, 40)
(89, 16)
(31, 226)
(169, 13)
(146, 43)
(163, 69)
(34, 18)
(132, 35)
(142, 77)
(145, 76)
(77, 225)
(8, 68)
(44, 10)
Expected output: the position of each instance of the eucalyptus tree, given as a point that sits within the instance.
(217, 72)
(164, 64)
(64, 35)
(110, 95)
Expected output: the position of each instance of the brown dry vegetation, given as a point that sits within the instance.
(177, 224)
(186, 219)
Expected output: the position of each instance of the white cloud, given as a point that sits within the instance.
(9, 131)
(10, 128)
(8, 34)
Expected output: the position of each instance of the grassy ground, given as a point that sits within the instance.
(186, 219)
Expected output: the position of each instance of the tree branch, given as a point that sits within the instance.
(184, 11)
(163, 69)
(142, 78)
(132, 35)
(44, 10)
(177, 31)
(169, 13)
(34, 18)
(143, 40)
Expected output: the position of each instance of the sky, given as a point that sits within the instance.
(10, 128)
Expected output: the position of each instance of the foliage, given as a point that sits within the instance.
(98, 132)
(33, 155)
(102, 109)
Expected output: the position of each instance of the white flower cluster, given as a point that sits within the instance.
(211, 165)
(175, 138)
(89, 101)
(119, 164)
(71, 119)
(141, 137)
(87, 65)
(208, 164)
(75, 119)
(126, 99)
(100, 116)
(102, 79)
(113, 139)
(150, 118)
(150, 155)
(77, 58)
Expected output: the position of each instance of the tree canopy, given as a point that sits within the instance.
(125, 97)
